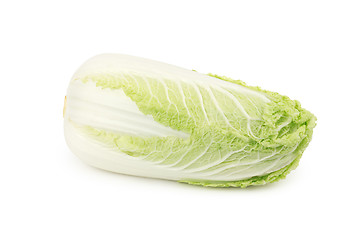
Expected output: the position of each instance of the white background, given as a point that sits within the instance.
(308, 50)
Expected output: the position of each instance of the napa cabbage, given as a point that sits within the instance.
(146, 118)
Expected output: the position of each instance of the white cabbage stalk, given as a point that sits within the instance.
(146, 118)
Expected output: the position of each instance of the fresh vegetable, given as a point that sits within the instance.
(141, 117)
